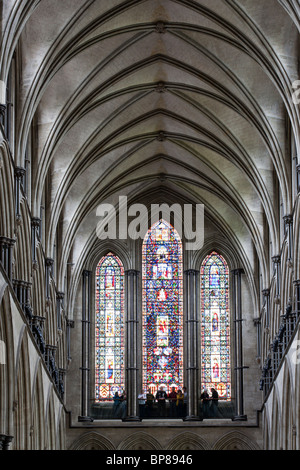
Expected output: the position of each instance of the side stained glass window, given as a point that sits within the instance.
(162, 308)
(215, 325)
(109, 327)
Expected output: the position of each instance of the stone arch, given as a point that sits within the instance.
(275, 428)
(38, 407)
(288, 409)
(50, 422)
(266, 432)
(92, 441)
(188, 441)
(140, 441)
(61, 429)
(235, 440)
(22, 396)
(7, 361)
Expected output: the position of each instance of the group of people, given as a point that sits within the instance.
(177, 403)
(177, 400)
(209, 403)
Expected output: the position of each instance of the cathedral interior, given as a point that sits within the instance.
(168, 104)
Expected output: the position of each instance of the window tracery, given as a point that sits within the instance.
(109, 327)
(215, 325)
(162, 308)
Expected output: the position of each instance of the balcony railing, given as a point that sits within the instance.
(105, 409)
(279, 347)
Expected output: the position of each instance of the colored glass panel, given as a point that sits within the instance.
(109, 327)
(215, 331)
(162, 308)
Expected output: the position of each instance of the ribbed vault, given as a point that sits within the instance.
(137, 97)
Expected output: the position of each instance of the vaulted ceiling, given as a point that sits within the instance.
(145, 97)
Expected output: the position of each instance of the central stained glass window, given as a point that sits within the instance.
(109, 327)
(215, 331)
(162, 308)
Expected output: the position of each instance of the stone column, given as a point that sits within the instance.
(238, 344)
(131, 344)
(192, 341)
(297, 298)
(6, 252)
(288, 223)
(276, 262)
(10, 246)
(298, 178)
(257, 324)
(59, 303)
(27, 304)
(85, 369)
(266, 295)
(19, 174)
(48, 271)
(70, 324)
(35, 229)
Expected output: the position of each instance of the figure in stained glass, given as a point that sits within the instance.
(109, 327)
(162, 308)
(215, 331)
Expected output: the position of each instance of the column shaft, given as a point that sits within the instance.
(85, 369)
(192, 320)
(238, 339)
(131, 344)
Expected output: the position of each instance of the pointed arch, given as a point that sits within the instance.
(215, 325)
(162, 308)
(109, 327)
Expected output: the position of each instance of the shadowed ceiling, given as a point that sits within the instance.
(142, 98)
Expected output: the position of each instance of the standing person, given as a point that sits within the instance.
(179, 403)
(205, 402)
(214, 402)
(185, 400)
(149, 403)
(123, 404)
(161, 397)
(117, 401)
(172, 400)
(142, 403)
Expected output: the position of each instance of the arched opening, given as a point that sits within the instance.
(109, 328)
(162, 308)
(215, 326)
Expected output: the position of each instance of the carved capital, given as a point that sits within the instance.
(257, 321)
(237, 271)
(19, 172)
(70, 323)
(132, 272)
(288, 219)
(60, 295)
(266, 292)
(49, 262)
(35, 222)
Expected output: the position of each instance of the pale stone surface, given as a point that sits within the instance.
(158, 101)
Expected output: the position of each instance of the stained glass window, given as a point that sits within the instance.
(215, 331)
(109, 327)
(162, 308)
